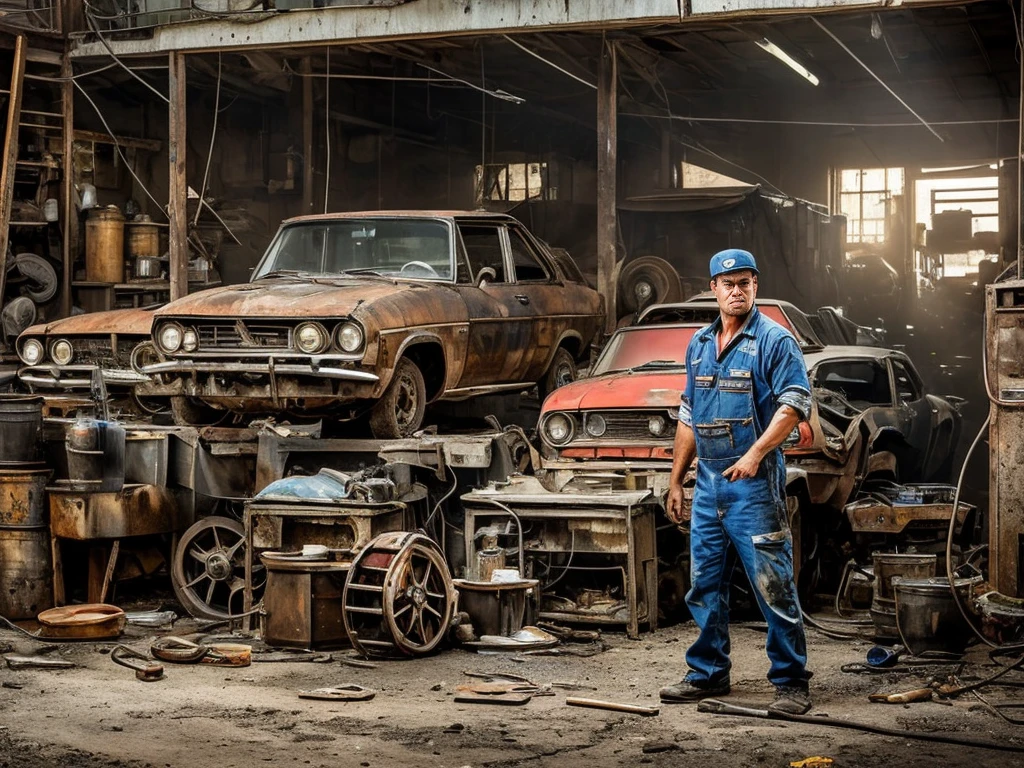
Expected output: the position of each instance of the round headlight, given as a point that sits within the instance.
(657, 425)
(62, 352)
(190, 340)
(596, 425)
(350, 337)
(559, 428)
(170, 338)
(310, 338)
(32, 352)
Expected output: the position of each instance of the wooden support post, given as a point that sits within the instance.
(177, 211)
(307, 136)
(69, 243)
(607, 215)
(10, 158)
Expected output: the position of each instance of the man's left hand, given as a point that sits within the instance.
(744, 468)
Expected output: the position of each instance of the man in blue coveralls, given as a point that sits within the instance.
(746, 389)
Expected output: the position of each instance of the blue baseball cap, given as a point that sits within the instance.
(732, 260)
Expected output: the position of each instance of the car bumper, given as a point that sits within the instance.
(321, 368)
(78, 376)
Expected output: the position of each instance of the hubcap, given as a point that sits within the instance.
(218, 566)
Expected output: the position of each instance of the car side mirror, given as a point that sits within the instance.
(485, 275)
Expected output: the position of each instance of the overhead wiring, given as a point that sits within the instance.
(117, 146)
(213, 138)
(95, 29)
(818, 123)
(550, 63)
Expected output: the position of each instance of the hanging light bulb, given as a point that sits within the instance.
(876, 27)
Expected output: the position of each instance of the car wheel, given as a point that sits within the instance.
(647, 280)
(187, 413)
(399, 412)
(561, 372)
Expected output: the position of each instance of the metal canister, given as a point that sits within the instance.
(104, 245)
(26, 572)
(143, 239)
(23, 497)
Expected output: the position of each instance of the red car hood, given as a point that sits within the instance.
(619, 390)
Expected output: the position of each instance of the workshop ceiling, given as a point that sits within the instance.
(955, 66)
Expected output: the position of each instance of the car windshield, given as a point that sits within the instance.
(407, 247)
(648, 347)
(705, 310)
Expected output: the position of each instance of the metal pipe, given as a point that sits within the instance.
(880, 81)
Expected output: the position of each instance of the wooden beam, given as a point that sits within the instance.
(607, 145)
(67, 187)
(307, 135)
(178, 186)
(10, 158)
(126, 142)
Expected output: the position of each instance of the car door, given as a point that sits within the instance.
(500, 316)
(915, 415)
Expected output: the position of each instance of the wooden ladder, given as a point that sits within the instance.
(24, 58)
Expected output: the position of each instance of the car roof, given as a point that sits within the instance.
(402, 214)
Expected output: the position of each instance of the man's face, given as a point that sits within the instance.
(735, 292)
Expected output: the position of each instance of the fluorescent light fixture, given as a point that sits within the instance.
(788, 60)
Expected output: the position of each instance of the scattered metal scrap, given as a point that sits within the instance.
(145, 669)
(36, 662)
(346, 692)
(614, 706)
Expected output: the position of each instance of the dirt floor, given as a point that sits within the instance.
(98, 714)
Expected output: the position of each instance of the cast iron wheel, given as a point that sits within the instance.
(561, 372)
(398, 598)
(399, 412)
(208, 572)
(647, 280)
(187, 413)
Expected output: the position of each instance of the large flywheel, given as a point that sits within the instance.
(398, 598)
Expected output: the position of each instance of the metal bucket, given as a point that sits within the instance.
(26, 572)
(21, 424)
(104, 245)
(927, 617)
(23, 498)
(887, 566)
(496, 608)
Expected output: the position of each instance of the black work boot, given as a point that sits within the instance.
(790, 700)
(685, 691)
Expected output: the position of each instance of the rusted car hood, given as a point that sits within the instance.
(288, 298)
(619, 390)
(134, 322)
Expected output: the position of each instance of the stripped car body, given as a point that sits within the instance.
(381, 312)
(65, 355)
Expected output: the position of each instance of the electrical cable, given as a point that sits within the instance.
(565, 568)
(49, 79)
(114, 56)
(815, 123)
(213, 137)
(519, 525)
(550, 63)
(120, 152)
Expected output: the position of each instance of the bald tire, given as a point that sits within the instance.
(399, 412)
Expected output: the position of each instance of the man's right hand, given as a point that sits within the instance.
(677, 511)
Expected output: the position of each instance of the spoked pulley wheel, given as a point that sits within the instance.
(398, 598)
(208, 572)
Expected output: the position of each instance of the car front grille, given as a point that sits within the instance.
(93, 351)
(628, 425)
(239, 335)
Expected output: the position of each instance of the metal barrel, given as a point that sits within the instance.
(104, 245)
(21, 424)
(26, 572)
(23, 498)
(887, 566)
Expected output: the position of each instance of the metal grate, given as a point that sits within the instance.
(240, 335)
(626, 425)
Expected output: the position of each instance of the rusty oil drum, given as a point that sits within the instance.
(23, 498)
(21, 424)
(104, 245)
(26, 572)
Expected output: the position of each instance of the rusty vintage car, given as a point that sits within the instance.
(380, 312)
(64, 357)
